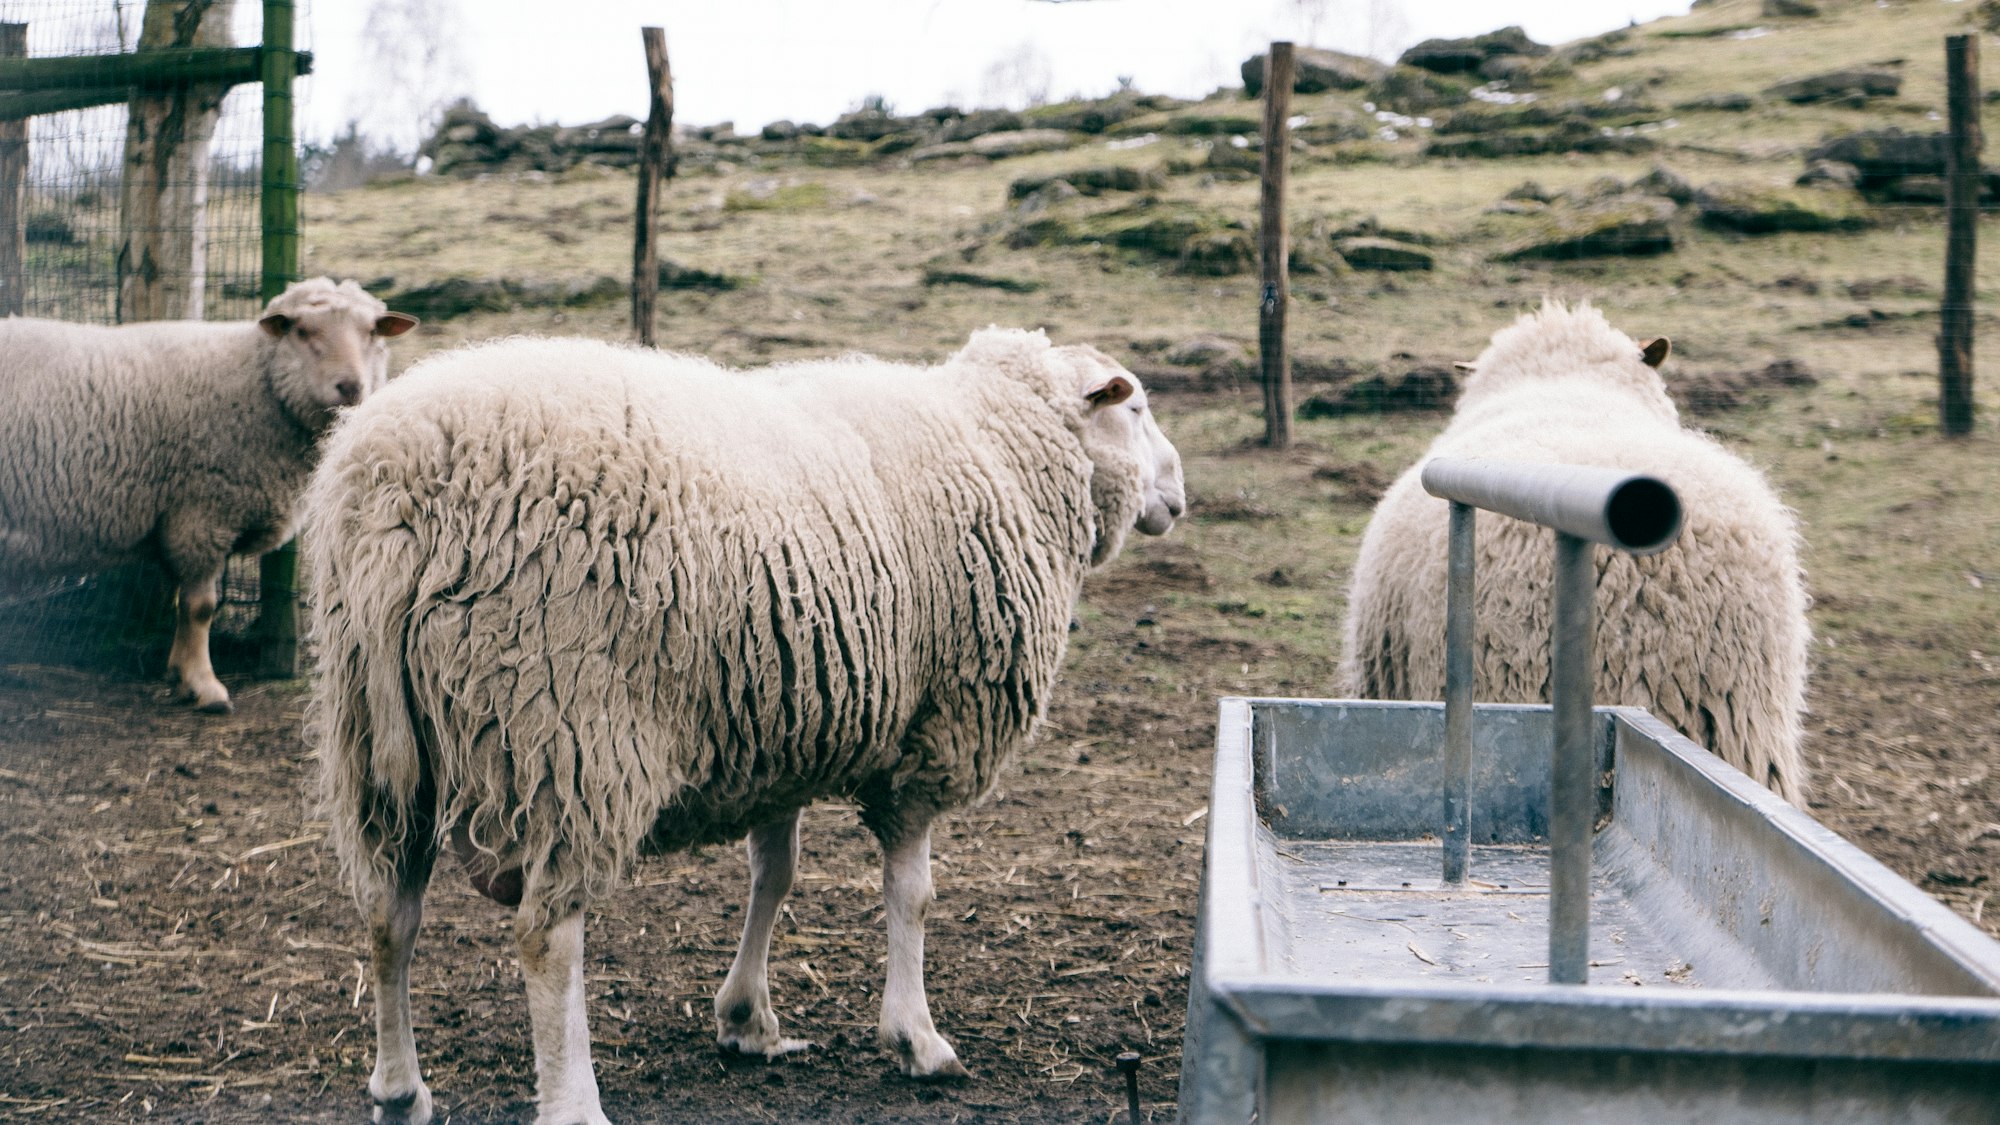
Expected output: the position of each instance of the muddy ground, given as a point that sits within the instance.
(175, 945)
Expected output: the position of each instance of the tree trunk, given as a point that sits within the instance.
(13, 190)
(163, 247)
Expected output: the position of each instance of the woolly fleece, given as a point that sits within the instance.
(185, 441)
(585, 601)
(1710, 635)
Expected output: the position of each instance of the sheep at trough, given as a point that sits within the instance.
(182, 442)
(577, 602)
(1710, 636)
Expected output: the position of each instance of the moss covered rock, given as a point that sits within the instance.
(1571, 134)
(1315, 71)
(1092, 181)
(1364, 253)
(1196, 239)
(1409, 89)
(1760, 210)
(1630, 225)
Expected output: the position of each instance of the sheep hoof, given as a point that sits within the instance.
(413, 1108)
(217, 706)
(951, 1071)
(932, 1061)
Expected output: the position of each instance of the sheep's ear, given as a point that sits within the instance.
(275, 325)
(394, 324)
(1109, 392)
(1655, 351)
(1461, 365)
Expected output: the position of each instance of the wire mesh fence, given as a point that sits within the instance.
(139, 199)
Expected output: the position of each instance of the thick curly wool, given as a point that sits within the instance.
(1710, 635)
(104, 429)
(585, 601)
(182, 442)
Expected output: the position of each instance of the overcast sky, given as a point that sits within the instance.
(754, 61)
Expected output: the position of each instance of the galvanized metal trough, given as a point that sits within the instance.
(1733, 961)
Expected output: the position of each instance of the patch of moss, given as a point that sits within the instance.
(785, 197)
(936, 274)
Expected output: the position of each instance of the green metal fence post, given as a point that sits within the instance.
(278, 605)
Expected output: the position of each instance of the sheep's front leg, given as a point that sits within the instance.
(906, 1026)
(188, 660)
(744, 1020)
(552, 966)
(397, 1085)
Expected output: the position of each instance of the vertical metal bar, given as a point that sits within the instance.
(277, 572)
(1573, 780)
(1458, 695)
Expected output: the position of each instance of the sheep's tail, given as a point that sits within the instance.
(376, 791)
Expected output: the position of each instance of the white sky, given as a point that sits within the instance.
(754, 61)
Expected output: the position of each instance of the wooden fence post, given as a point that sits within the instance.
(1276, 246)
(277, 572)
(13, 190)
(1961, 171)
(655, 166)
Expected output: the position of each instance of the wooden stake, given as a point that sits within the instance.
(13, 190)
(655, 167)
(1276, 246)
(1961, 171)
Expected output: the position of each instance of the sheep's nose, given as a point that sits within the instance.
(349, 391)
(1176, 506)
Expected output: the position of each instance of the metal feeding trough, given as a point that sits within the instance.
(1414, 912)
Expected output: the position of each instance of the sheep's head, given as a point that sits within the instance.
(1564, 342)
(331, 348)
(1136, 472)
(1135, 476)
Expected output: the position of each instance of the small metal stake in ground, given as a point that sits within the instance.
(1128, 1062)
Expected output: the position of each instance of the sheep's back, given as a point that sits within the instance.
(629, 583)
(1709, 635)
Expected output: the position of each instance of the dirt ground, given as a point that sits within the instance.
(175, 944)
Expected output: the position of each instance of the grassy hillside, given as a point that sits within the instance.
(1902, 542)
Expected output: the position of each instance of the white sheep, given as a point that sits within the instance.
(1710, 635)
(577, 602)
(178, 441)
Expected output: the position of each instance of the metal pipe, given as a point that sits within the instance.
(1458, 695)
(1630, 511)
(1573, 778)
(1128, 1062)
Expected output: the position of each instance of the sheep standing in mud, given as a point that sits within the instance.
(576, 602)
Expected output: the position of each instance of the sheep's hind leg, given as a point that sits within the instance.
(394, 912)
(188, 661)
(552, 966)
(744, 1021)
(906, 1026)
